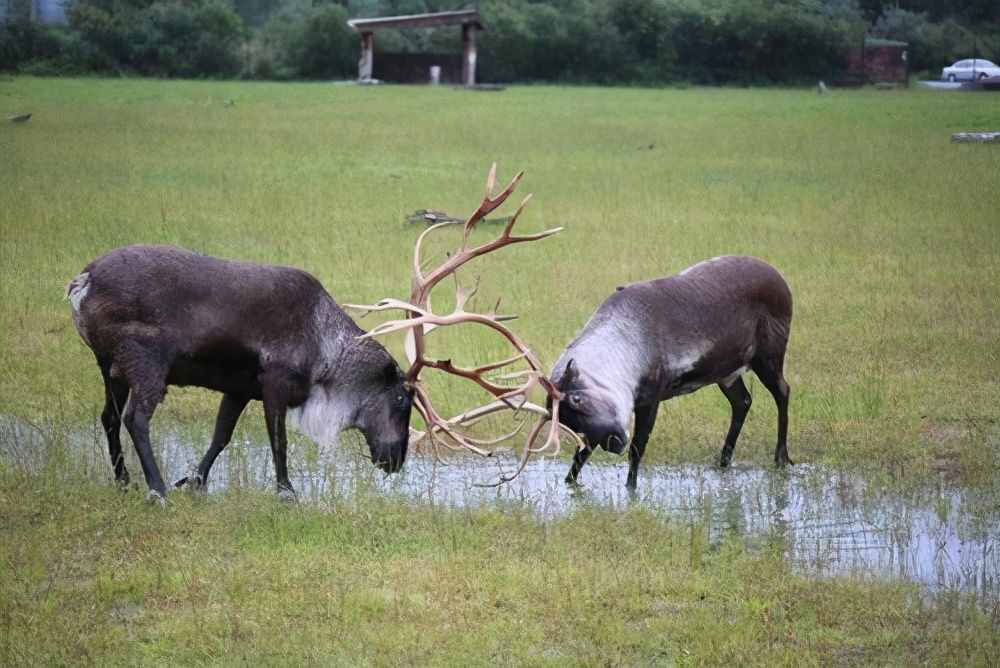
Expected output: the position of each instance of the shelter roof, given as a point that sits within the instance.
(458, 17)
(878, 41)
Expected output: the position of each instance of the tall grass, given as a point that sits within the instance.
(886, 232)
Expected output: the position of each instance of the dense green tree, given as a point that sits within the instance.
(602, 41)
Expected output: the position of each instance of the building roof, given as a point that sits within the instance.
(459, 17)
(878, 41)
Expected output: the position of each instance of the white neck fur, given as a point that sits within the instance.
(323, 416)
(611, 362)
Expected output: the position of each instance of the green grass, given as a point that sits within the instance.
(98, 577)
(887, 233)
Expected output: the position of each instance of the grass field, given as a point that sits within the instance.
(245, 579)
(887, 233)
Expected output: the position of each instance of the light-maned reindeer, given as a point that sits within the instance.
(648, 342)
(157, 315)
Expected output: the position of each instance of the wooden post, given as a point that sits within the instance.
(469, 54)
(367, 61)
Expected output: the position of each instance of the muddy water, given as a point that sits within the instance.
(828, 522)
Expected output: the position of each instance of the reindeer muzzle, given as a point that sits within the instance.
(390, 463)
(616, 442)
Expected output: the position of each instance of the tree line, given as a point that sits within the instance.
(646, 42)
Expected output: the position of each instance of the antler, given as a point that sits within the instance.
(420, 320)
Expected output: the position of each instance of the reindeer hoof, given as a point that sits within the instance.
(287, 495)
(193, 481)
(155, 498)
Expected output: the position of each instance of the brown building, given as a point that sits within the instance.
(879, 61)
(410, 68)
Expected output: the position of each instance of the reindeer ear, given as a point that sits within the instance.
(569, 376)
(390, 374)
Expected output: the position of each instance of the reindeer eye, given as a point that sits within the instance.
(575, 399)
(400, 399)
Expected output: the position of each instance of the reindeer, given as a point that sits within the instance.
(651, 341)
(156, 316)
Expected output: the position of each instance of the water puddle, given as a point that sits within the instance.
(828, 522)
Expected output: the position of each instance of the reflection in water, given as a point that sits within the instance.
(826, 521)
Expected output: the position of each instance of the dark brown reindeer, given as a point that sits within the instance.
(651, 341)
(156, 316)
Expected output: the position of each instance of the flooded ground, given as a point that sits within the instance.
(828, 522)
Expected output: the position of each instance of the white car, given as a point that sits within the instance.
(969, 69)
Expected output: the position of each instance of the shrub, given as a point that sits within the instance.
(305, 42)
(37, 49)
(190, 38)
(328, 48)
(176, 38)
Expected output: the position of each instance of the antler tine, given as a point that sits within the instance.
(551, 441)
(463, 295)
(424, 283)
(471, 374)
(490, 203)
(435, 422)
(493, 366)
(513, 219)
(501, 392)
(474, 415)
(471, 417)
(388, 304)
(523, 461)
(417, 262)
(491, 181)
(424, 318)
(509, 391)
(509, 227)
(488, 442)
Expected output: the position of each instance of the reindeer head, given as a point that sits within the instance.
(383, 417)
(591, 410)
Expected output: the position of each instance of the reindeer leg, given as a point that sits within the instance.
(230, 410)
(146, 374)
(770, 373)
(276, 389)
(740, 400)
(115, 398)
(645, 418)
(579, 459)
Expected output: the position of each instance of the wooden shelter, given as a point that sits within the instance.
(879, 61)
(467, 18)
